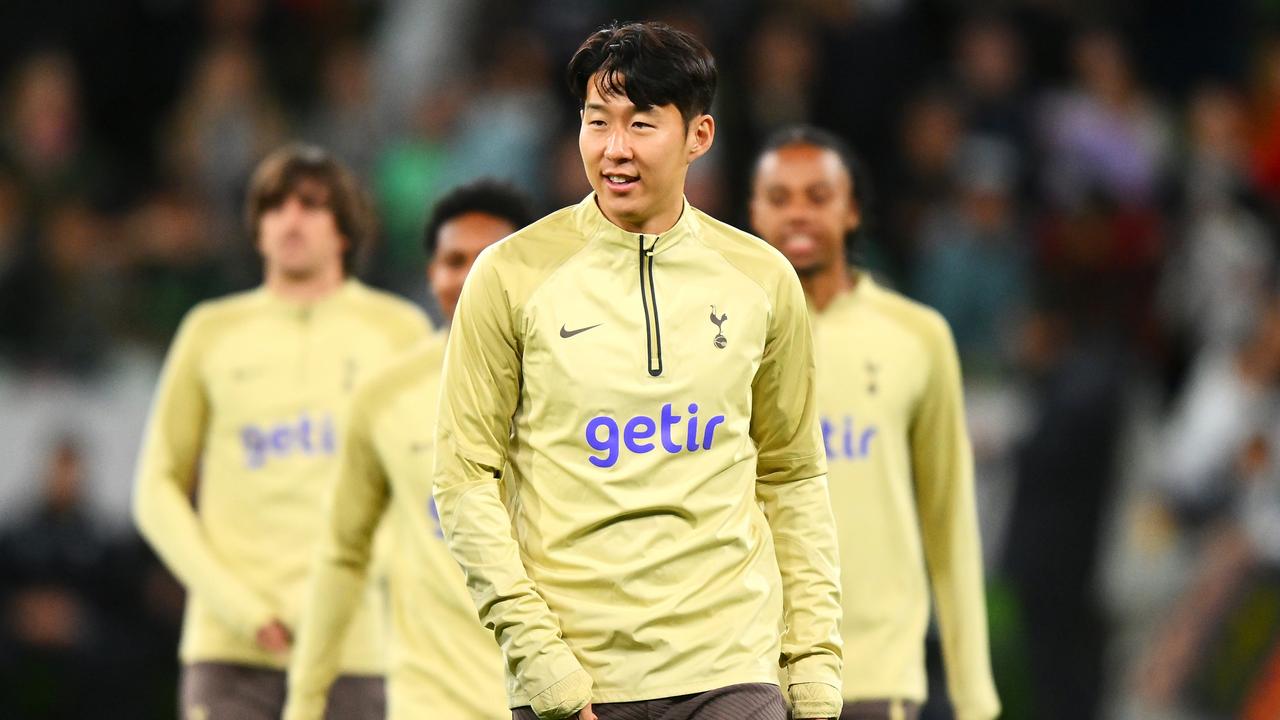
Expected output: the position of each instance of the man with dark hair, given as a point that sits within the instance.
(317, 180)
(464, 222)
(253, 397)
(629, 467)
(443, 663)
(892, 420)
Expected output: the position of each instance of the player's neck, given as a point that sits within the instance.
(657, 224)
(822, 288)
(306, 289)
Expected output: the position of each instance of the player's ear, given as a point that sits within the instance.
(853, 219)
(702, 133)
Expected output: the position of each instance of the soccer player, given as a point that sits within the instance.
(247, 416)
(645, 375)
(443, 663)
(892, 417)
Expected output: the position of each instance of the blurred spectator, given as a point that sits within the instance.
(989, 71)
(932, 135)
(411, 172)
(232, 19)
(1105, 133)
(973, 257)
(506, 125)
(175, 263)
(11, 220)
(1217, 151)
(1223, 267)
(43, 138)
(870, 60)
(49, 578)
(226, 122)
(1066, 470)
(417, 49)
(1181, 643)
(1266, 120)
(1229, 399)
(782, 66)
(58, 310)
(1258, 507)
(1101, 259)
(347, 121)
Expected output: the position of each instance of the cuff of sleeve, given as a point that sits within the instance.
(816, 668)
(564, 698)
(815, 700)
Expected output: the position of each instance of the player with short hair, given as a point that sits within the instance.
(442, 662)
(893, 424)
(628, 466)
(246, 417)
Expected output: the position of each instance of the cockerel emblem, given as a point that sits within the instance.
(718, 321)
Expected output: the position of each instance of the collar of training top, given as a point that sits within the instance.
(861, 293)
(350, 287)
(595, 226)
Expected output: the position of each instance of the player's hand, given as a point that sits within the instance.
(587, 713)
(274, 637)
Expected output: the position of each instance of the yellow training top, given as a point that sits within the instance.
(654, 398)
(443, 663)
(252, 401)
(901, 477)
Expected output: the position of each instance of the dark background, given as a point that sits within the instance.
(1087, 190)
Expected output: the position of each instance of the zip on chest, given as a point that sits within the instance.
(649, 298)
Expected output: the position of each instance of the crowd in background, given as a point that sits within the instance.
(1089, 192)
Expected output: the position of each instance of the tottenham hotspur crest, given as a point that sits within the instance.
(718, 320)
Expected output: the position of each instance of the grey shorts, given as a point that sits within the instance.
(750, 701)
(880, 710)
(226, 691)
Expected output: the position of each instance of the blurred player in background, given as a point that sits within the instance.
(647, 373)
(251, 403)
(901, 469)
(443, 663)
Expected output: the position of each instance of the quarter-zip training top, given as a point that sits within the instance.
(441, 663)
(252, 402)
(653, 400)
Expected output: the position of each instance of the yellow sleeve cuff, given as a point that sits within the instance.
(564, 698)
(815, 700)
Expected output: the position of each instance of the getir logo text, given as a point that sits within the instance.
(844, 440)
(303, 436)
(641, 434)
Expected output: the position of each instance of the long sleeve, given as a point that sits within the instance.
(337, 587)
(942, 461)
(481, 382)
(167, 469)
(792, 485)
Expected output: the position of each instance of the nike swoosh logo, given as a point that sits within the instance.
(570, 333)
